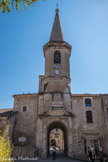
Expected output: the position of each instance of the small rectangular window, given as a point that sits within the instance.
(89, 117)
(24, 108)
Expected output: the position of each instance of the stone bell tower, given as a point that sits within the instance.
(56, 81)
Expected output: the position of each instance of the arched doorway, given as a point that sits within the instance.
(57, 136)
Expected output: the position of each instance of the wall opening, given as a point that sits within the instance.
(57, 136)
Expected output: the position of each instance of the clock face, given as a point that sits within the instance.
(57, 72)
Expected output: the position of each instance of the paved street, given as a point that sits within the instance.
(49, 159)
(59, 159)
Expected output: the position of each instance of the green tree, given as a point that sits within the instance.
(7, 5)
(6, 146)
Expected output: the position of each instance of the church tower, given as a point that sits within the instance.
(56, 80)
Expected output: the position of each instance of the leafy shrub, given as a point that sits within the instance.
(6, 146)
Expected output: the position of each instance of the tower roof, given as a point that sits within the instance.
(57, 33)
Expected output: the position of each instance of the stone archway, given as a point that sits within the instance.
(61, 126)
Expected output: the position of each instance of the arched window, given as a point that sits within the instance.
(88, 102)
(89, 117)
(57, 57)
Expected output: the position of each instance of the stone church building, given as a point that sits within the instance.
(82, 119)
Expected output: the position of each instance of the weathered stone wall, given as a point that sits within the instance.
(26, 121)
(23, 151)
(81, 129)
(7, 120)
(104, 101)
(45, 123)
(3, 122)
(45, 101)
(34, 124)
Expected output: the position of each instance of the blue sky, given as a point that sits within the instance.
(23, 34)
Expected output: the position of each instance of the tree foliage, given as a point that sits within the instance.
(8, 5)
(6, 146)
